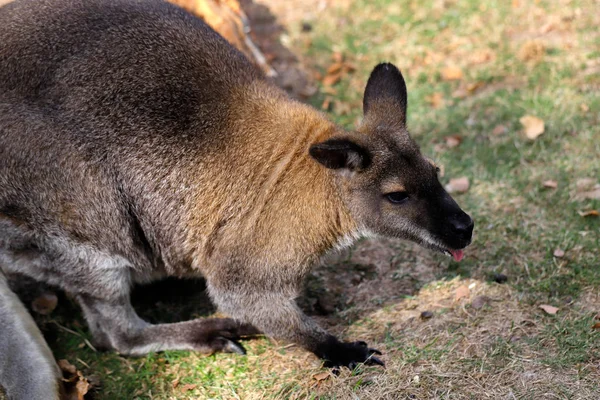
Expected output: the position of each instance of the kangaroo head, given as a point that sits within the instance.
(390, 188)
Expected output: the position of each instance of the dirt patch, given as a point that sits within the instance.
(267, 31)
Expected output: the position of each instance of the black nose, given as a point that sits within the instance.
(462, 226)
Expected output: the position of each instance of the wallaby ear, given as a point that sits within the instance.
(341, 153)
(386, 86)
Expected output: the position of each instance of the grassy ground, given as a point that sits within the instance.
(484, 339)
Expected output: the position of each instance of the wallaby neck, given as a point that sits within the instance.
(270, 197)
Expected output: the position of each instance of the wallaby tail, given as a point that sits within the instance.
(28, 370)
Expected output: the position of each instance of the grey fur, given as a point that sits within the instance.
(27, 367)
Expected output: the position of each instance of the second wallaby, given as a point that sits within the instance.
(136, 143)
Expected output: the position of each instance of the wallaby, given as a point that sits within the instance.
(136, 143)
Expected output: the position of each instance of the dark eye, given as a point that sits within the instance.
(397, 197)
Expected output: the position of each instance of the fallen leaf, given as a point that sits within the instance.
(452, 73)
(584, 107)
(458, 185)
(335, 68)
(550, 184)
(45, 303)
(590, 213)
(549, 309)
(66, 366)
(330, 80)
(590, 195)
(436, 100)
(75, 385)
(462, 292)
(321, 376)
(596, 325)
(585, 184)
(481, 56)
(188, 386)
(534, 126)
(480, 301)
(81, 388)
(558, 253)
(453, 141)
(465, 90)
(175, 383)
(499, 130)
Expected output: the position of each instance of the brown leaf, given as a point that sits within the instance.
(465, 90)
(590, 213)
(436, 99)
(462, 292)
(453, 141)
(590, 195)
(81, 388)
(458, 185)
(481, 56)
(480, 301)
(584, 107)
(585, 184)
(596, 325)
(188, 386)
(335, 68)
(75, 385)
(499, 130)
(558, 253)
(175, 383)
(533, 126)
(332, 79)
(45, 303)
(321, 376)
(549, 309)
(550, 184)
(452, 73)
(66, 367)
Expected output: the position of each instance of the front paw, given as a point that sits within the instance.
(347, 354)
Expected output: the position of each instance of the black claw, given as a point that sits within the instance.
(375, 360)
(375, 351)
(233, 347)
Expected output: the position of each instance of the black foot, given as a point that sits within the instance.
(342, 354)
(223, 335)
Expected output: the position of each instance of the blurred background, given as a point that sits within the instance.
(505, 97)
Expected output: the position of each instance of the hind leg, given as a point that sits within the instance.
(27, 367)
(101, 283)
(116, 325)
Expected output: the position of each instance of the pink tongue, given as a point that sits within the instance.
(457, 254)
